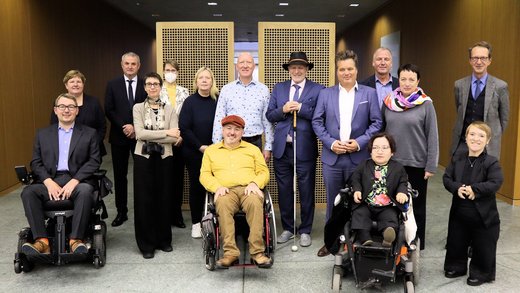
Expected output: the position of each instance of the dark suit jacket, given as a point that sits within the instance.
(118, 108)
(371, 82)
(84, 158)
(396, 181)
(366, 121)
(90, 114)
(485, 180)
(306, 144)
(496, 110)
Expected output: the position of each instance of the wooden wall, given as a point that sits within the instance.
(41, 41)
(435, 35)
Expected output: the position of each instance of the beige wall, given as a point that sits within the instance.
(435, 35)
(41, 41)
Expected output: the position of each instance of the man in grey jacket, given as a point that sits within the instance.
(483, 97)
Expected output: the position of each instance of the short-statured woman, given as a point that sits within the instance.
(90, 111)
(156, 129)
(380, 186)
(473, 178)
(196, 124)
(411, 120)
(175, 95)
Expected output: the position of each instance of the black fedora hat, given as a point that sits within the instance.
(298, 58)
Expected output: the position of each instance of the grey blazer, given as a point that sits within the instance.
(496, 110)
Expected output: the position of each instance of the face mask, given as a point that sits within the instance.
(170, 76)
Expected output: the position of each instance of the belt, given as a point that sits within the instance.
(62, 172)
(252, 138)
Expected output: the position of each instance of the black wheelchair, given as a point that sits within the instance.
(212, 245)
(372, 265)
(58, 221)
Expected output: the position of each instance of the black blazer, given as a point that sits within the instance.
(84, 158)
(119, 110)
(90, 114)
(396, 181)
(486, 178)
(371, 82)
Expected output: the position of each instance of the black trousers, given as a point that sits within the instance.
(416, 178)
(120, 155)
(197, 191)
(306, 176)
(363, 215)
(152, 201)
(34, 196)
(178, 185)
(465, 229)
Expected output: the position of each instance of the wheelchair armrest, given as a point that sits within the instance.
(24, 177)
(99, 174)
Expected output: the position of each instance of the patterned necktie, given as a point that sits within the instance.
(296, 93)
(130, 92)
(477, 89)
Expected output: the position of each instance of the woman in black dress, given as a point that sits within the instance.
(196, 124)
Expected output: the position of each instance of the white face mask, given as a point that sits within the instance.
(170, 76)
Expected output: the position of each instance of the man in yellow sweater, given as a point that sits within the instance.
(236, 172)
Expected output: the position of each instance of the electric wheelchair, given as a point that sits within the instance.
(58, 221)
(372, 265)
(212, 245)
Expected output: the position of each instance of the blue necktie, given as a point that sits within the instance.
(477, 89)
(130, 92)
(296, 93)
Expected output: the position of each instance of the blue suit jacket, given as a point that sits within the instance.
(306, 142)
(366, 121)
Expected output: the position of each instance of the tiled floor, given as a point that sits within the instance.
(183, 269)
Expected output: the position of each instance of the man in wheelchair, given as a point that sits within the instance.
(235, 171)
(65, 157)
(379, 185)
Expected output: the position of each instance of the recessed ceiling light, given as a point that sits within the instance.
(341, 15)
(279, 15)
(217, 14)
(283, 4)
(156, 15)
(354, 5)
(212, 3)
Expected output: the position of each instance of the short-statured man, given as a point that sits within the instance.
(121, 95)
(346, 117)
(65, 156)
(296, 96)
(480, 97)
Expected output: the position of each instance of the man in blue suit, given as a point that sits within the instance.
(346, 116)
(298, 97)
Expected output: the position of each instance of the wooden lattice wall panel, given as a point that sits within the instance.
(276, 41)
(197, 44)
(193, 45)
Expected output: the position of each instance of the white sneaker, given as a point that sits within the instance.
(196, 231)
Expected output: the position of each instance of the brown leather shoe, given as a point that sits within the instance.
(323, 251)
(261, 260)
(77, 246)
(37, 247)
(227, 261)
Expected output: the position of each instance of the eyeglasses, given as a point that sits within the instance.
(155, 84)
(377, 148)
(476, 59)
(62, 107)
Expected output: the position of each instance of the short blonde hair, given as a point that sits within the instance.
(482, 126)
(73, 73)
(213, 91)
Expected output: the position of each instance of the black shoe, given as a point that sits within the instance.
(453, 274)
(119, 220)
(474, 281)
(179, 224)
(166, 248)
(148, 255)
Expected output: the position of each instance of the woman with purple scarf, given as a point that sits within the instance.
(409, 116)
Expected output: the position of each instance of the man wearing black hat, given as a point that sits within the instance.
(296, 96)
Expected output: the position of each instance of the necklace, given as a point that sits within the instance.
(472, 163)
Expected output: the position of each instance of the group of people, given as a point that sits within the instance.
(377, 135)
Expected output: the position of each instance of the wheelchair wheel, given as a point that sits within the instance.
(210, 262)
(27, 266)
(17, 266)
(100, 255)
(336, 282)
(209, 244)
(416, 262)
(409, 287)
